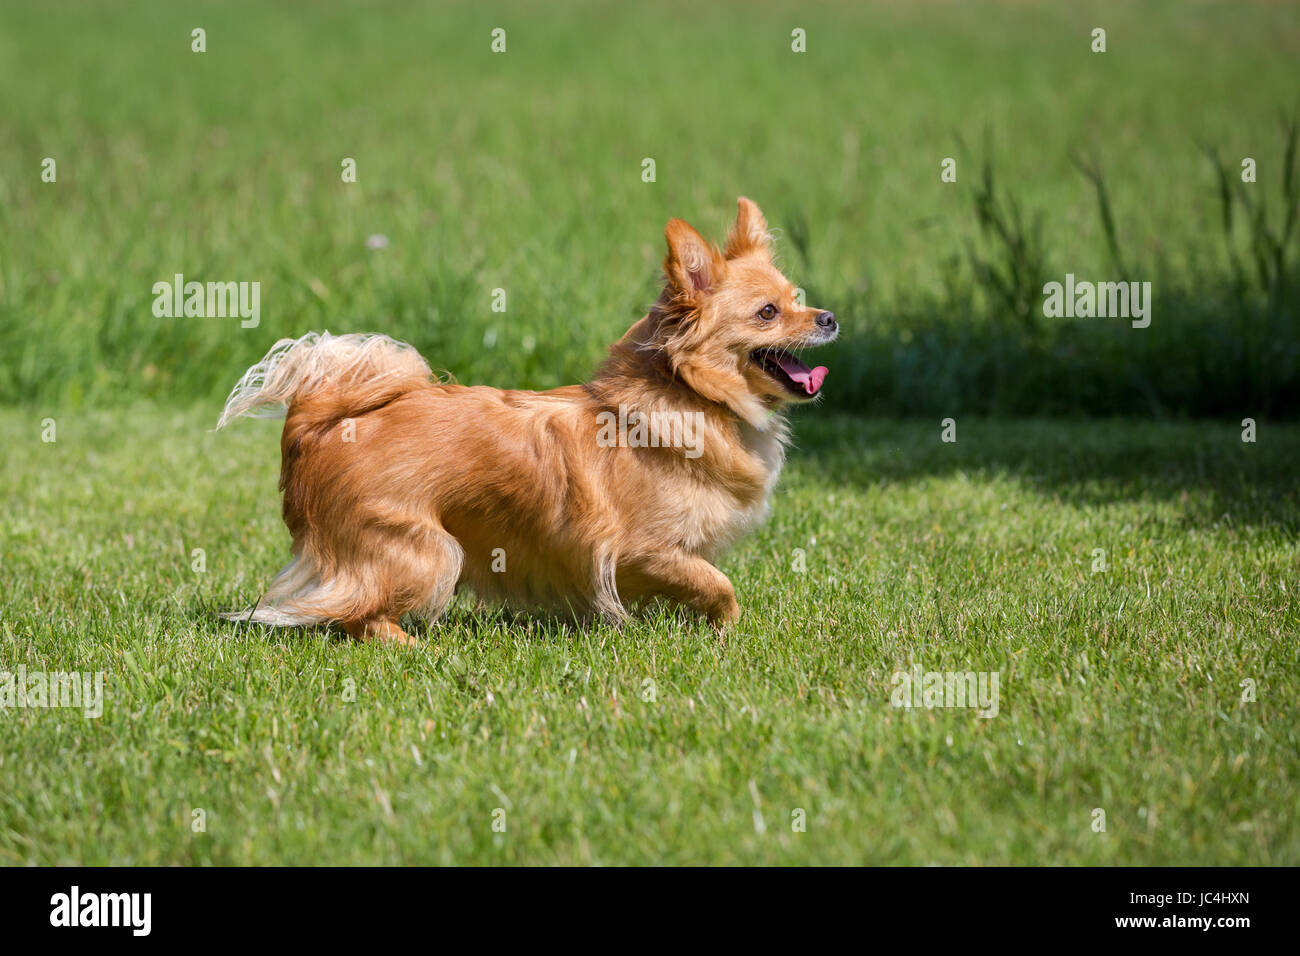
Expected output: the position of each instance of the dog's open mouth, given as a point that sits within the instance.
(789, 371)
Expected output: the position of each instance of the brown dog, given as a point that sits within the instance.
(398, 489)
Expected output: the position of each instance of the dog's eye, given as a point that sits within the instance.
(767, 312)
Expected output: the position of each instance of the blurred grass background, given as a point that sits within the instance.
(522, 171)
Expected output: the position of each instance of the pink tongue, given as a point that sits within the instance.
(810, 378)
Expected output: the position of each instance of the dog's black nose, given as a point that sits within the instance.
(826, 320)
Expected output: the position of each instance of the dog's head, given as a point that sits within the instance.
(731, 324)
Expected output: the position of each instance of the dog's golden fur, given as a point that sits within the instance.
(399, 489)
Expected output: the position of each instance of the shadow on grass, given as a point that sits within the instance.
(1204, 467)
(1204, 355)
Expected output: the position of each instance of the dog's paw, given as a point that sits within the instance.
(724, 614)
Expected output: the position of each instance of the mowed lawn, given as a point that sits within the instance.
(1120, 690)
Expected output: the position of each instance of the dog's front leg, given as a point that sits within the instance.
(690, 580)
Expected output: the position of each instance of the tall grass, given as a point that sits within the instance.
(1224, 339)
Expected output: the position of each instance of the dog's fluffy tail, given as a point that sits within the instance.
(357, 365)
(298, 596)
(320, 378)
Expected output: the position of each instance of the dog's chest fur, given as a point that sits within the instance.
(723, 511)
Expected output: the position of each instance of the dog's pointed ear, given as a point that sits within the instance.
(749, 234)
(694, 265)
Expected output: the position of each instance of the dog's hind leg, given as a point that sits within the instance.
(378, 629)
(388, 568)
(442, 568)
(417, 578)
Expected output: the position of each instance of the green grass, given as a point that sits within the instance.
(1119, 690)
